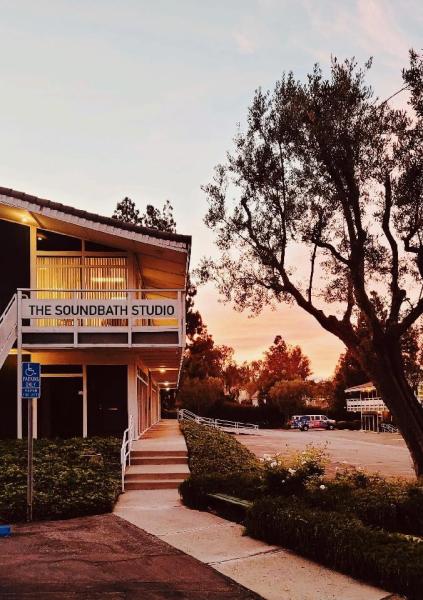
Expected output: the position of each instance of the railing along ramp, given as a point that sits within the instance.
(224, 425)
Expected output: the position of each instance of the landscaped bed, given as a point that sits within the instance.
(355, 522)
(72, 477)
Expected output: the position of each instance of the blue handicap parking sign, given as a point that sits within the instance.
(31, 380)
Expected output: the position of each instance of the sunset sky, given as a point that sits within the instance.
(103, 99)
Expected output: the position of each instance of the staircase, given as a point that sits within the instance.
(159, 460)
(8, 329)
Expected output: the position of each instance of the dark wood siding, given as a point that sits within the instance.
(14, 260)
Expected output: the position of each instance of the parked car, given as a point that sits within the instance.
(307, 422)
(294, 421)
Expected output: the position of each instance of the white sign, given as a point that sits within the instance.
(99, 309)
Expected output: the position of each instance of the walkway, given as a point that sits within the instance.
(159, 460)
(104, 558)
(272, 572)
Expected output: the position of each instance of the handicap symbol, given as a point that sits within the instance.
(30, 372)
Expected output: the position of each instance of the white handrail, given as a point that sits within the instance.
(239, 427)
(125, 451)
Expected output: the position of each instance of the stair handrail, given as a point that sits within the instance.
(125, 450)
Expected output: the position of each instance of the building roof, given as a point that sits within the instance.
(363, 387)
(95, 218)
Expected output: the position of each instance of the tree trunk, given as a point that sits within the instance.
(387, 371)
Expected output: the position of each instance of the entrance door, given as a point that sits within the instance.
(107, 399)
(60, 407)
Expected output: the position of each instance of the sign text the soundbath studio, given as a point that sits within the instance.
(83, 309)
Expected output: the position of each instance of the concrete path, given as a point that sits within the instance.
(272, 572)
(104, 558)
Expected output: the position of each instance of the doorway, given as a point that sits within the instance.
(107, 387)
(59, 410)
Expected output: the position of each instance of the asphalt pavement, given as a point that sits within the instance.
(385, 453)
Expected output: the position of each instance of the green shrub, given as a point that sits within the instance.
(287, 474)
(213, 451)
(66, 482)
(340, 542)
(394, 505)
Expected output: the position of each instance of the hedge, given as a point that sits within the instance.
(340, 542)
(213, 451)
(393, 505)
(67, 481)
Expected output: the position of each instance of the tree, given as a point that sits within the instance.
(326, 171)
(200, 395)
(348, 373)
(282, 363)
(194, 321)
(289, 396)
(204, 358)
(153, 217)
(127, 212)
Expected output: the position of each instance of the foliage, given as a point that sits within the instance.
(326, 170)
(204, 358)
(394, 505)
(213, 451)
(200, 395)
(194, 321)
(263, 415)
(288, 474)
(348, 373)
(289, 396)
(153, 218)
(340, 542)
(66, 482)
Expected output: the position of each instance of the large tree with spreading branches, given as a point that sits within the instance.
(320, 203)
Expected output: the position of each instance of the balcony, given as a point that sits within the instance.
(75, 318)
(368, 404)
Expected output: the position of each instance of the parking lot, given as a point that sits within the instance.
(385, 453)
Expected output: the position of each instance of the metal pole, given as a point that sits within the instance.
(30, 475)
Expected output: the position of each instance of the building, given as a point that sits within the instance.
(100, 304)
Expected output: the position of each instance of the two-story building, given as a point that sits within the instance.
(100, 304)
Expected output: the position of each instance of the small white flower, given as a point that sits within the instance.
(292, 471)
(283, 480)
(322, 487)
(273, 463)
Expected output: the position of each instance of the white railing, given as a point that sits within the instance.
(231, 426)
(388, 428)
(366, 404)
(125, 451)
(8, 329)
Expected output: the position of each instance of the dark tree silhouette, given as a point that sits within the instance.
(326, 171)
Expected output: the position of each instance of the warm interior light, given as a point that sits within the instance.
(24, 220)
(162, 370)
(108, 279)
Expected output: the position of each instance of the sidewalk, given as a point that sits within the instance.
(103, 558)
(270, 571)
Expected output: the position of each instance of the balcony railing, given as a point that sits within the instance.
(106, 317)
(366, 405)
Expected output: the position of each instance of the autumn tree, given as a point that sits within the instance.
(327, 175)
(282, 362)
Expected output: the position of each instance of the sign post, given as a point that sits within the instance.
(31, 388)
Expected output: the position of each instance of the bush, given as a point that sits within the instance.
(66, 482)
(213, 451)
(354, 425)
(340, 542)
(394, 505)
(290, 473)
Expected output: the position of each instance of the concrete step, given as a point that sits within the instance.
(153, 484)
(159, 460)
(150, 453)
(147, 476)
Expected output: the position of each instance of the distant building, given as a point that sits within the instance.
(246, 397)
